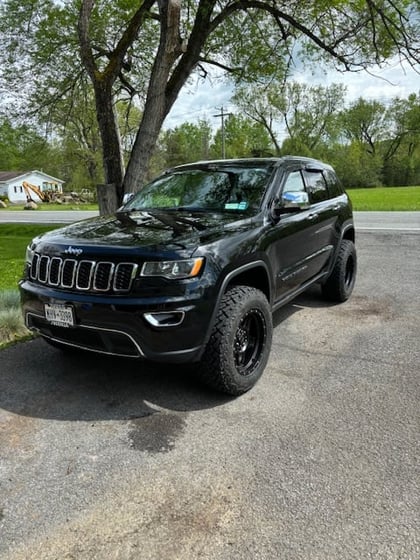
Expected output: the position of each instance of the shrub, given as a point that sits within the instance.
(9, 299)
(11, 322)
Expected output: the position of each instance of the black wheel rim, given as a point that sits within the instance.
(249, 342)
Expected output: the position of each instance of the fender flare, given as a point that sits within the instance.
(226, 281)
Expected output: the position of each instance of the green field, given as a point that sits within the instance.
(385, 198)
(52, 206)
(13, 241)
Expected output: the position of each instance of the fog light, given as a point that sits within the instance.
(165, 318)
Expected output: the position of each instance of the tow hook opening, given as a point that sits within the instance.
(165, 318)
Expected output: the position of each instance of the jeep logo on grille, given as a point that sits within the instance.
(73, 251)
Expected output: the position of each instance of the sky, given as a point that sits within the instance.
(203, 99)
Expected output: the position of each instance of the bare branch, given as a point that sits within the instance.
(229, 69)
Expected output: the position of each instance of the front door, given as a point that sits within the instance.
(302, 240)
(288, 240)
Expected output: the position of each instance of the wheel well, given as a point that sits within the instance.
(254, 277)
(349, 234)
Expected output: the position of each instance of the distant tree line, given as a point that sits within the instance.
(370, 143)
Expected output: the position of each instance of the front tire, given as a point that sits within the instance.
(340, 283)
(240, 343)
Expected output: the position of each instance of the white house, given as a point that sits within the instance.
(11, 184)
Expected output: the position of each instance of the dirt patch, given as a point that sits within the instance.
(15, 432)
(368, 309)
(172, 518)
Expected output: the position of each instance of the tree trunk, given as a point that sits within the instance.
(103, 84)
(111, 143)
(166, 83)
(156, 107)
(144, 146)
(107, 198)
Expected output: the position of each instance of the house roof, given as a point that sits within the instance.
(6, 176)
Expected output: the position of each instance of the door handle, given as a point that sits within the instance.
(313, 216)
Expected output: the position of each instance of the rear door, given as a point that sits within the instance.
(324, 213)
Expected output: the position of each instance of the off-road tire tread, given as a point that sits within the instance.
(214, 367)
(334, 288)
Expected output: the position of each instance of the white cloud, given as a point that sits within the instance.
(382, 84)
(202, 99)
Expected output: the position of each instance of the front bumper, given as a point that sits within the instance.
(158, 329)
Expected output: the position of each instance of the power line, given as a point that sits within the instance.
(222, 114)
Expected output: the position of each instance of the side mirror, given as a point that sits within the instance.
(294, 200)
(127, 197)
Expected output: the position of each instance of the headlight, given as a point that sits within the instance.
(29, 254)
(177, 270)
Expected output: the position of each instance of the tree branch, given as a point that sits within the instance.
(331, 48)
(220, 65)
(115, 57)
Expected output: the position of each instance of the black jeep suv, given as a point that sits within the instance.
(192, 267)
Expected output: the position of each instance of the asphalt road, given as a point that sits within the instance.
(110, 459)
(45, 216)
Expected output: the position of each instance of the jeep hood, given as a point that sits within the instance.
(155, 229)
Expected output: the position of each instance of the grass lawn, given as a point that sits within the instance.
(385, 198)
(13, 241)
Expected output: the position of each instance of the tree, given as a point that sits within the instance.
(257, 103)
(354, 166)
(185, 143)
(243, 138)
(23, 149)
(151, 48)
(75, 124)
(308, 113)
(402, 149)
(363, 122)
(389, 135)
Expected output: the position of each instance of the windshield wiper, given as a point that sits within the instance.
(190, 209)
(171, 221)
(164, 215)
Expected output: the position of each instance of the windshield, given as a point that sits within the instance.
(224, 189)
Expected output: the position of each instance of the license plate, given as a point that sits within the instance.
(59, 315)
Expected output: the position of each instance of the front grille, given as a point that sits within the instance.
(85, 275)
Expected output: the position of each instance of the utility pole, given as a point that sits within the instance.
(222, 114)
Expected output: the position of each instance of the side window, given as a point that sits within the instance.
(317, 186)
(294, 182)
(334, 185)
